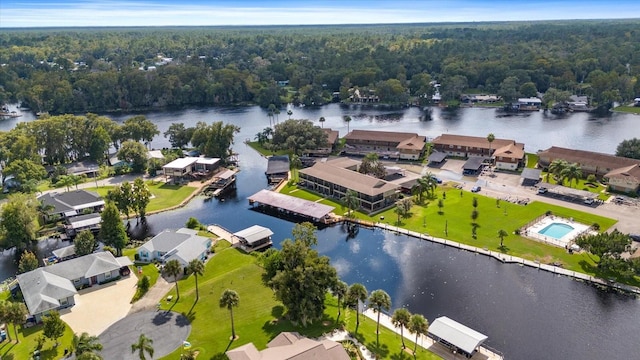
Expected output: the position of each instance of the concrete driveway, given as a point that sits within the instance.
(100, 306)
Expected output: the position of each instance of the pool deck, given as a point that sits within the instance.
(533, 231)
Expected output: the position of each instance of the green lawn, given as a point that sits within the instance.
(27, 345)
(257, 319)
(164, 195)
(532, 160)
(259, 148)
(456, 216)
(581, 184)
(628, 109)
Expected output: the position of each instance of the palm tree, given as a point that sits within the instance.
(571, 172)
(556, 168)
(401, 319)
(380, 300)
(89, 355)
(276, 112)
(85, 344)
(196, 267)
(173, 268)
(230, 299)
(144, 345)
(429, 183)
(502, 234)
(322, 120)
(43, 210)
(66, 181)
(351, 200)
(189, 354)
(347, 119)
(289, 112)
(490, 139)
(357, 293)
(340, 289)
(419, 326)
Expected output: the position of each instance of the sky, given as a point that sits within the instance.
(68, 13)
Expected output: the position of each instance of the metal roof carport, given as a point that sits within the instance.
(452, 333)
(437, 157)
(530, 177)
(570, 192)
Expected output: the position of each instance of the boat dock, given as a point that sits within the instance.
(222, 181)
(292, 206)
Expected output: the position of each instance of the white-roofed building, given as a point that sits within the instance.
(254, 238)
(185, 167)
(183, 245)
(456, 336)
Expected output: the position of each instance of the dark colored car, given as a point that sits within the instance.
(635, 237)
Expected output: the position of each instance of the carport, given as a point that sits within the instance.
(437, 158)
(530, 177)
(473, 165)
(456, 336)
(569, 194)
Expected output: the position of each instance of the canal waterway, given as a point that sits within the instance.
(527, 314)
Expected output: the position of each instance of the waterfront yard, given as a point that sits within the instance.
(258, 318)
(454, 222)
(164, 196)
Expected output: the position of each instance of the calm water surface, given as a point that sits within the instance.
(527, 314)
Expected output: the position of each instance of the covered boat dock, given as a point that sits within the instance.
(254, 238)
(289, 205)
(455, 336)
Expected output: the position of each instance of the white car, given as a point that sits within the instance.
(589, 201)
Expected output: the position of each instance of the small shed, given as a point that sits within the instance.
(83, 222)
(530, 177)
(254, 237)
(65, 253)
(456, 336)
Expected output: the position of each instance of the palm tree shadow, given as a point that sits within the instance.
(229, 345)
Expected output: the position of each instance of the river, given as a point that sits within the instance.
(526, 313)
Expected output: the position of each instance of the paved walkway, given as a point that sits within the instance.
(223, 233)
(110, 301)
(153, 297)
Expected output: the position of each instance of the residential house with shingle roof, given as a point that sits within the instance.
(509, 157)
(590, 162)
(183, 245)
(334, 180)
(395, 145)
(625, 179)
(511, 153)
(291, 346)
(53, 287)
(71, 203)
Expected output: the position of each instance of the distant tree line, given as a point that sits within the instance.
(78, 71)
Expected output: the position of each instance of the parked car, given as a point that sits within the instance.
(589, 201)
(476, 189)
(437, 179)
(542, 190)
(635, 237)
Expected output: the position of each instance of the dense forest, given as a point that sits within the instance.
(124, 69)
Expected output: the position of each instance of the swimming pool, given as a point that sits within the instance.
(556, 230)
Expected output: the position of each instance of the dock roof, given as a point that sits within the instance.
(277, 164)
(372, 135)
(457, 334)
(293, 204)
(181, 163)
(254, 233)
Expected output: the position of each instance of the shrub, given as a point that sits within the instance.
(591, 178)
(596, 226)
(193, 223)
(549, 212)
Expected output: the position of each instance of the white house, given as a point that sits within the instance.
(183, 245)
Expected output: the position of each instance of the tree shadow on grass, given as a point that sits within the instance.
(381, 350)
(281, 323)
(220, 356)
(401, 355)
(277, 311)
(504, 249)
(185, 319)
